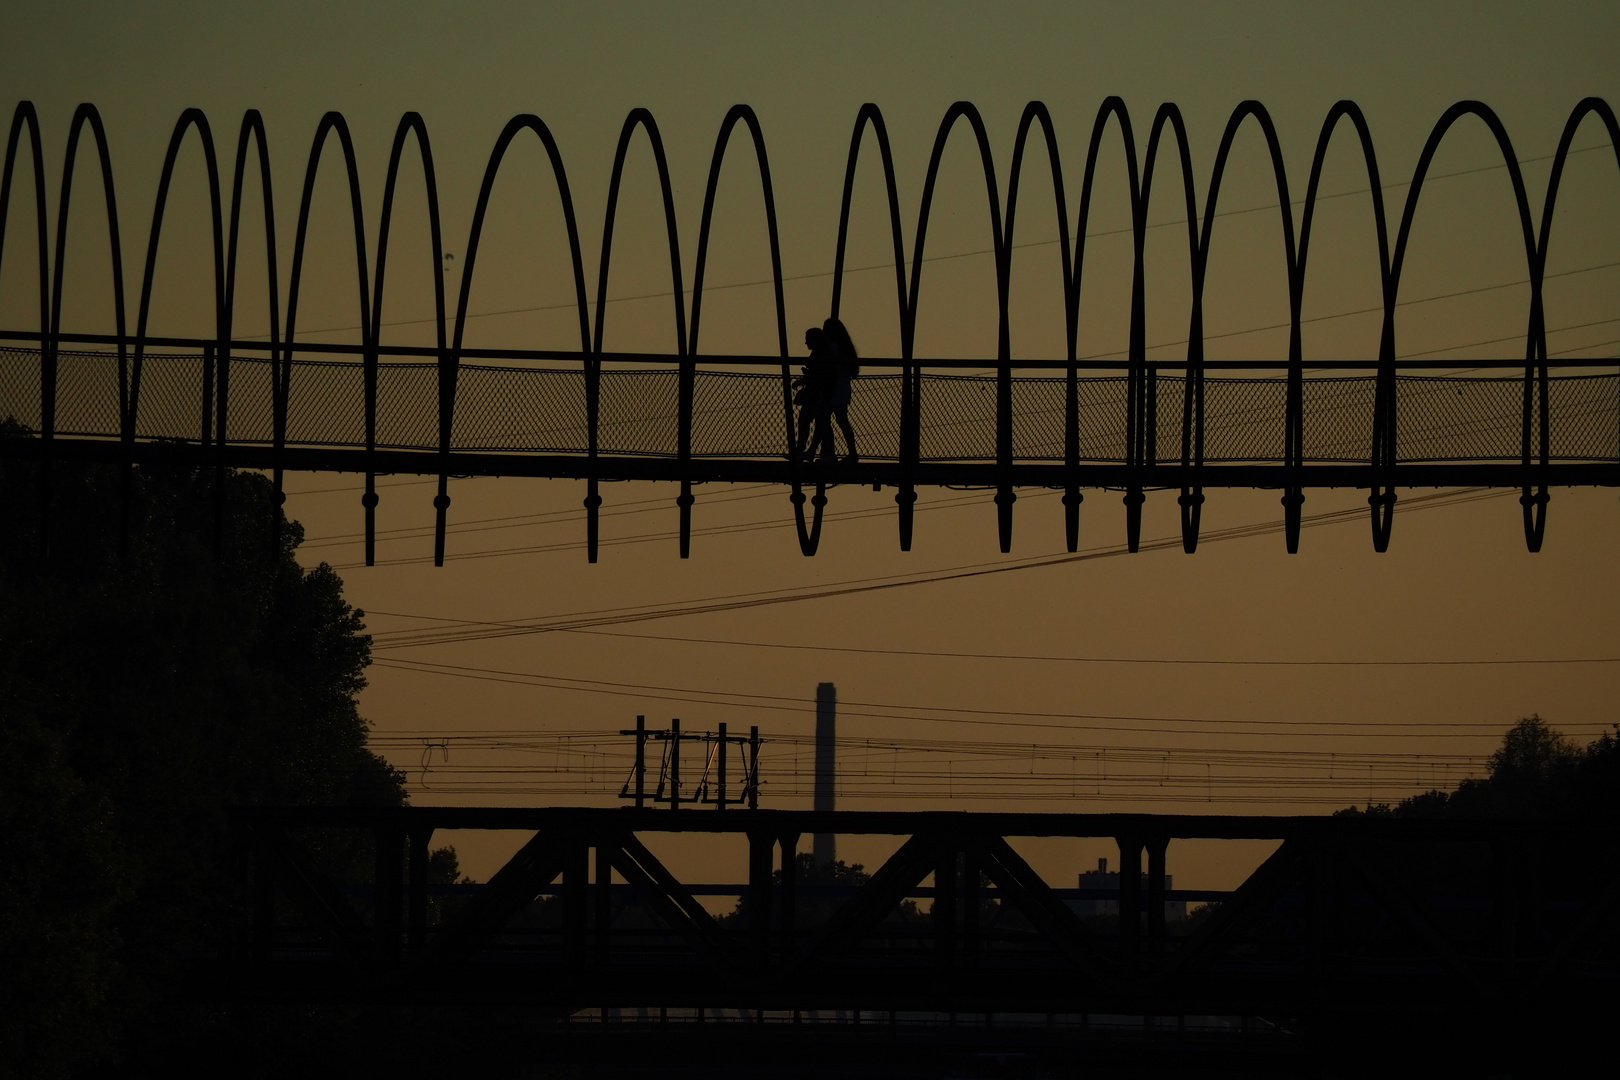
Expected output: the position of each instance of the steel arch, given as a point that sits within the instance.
(1535, 458)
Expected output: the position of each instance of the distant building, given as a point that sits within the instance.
(1104, 880)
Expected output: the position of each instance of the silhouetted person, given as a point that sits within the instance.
(815, 391)
(845, 367)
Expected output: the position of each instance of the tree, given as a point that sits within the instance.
(816, 901)
(64, 874)
(1535, 773)
(154, 671)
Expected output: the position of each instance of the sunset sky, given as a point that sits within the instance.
(1240, 679)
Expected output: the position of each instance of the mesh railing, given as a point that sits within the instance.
(739, 414)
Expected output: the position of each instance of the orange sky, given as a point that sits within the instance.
(1457, 584)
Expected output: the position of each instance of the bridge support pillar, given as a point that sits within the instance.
(1320, 893)
(417, 900)
(1130, 899)
(790, 889)
(970, 910)
(604, 899)
(389, 886)
(760, 849)
(575, 883)
(945, 907)
(1156, 846)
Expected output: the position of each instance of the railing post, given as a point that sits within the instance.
(720, 802)
(369, 500)
(48, 360)
(593, 497)
(675, 764)
(641, 762)
(1071, 456)
(1005, 496)
(753, 767)
(910, 448)
(684, 452)
(207, 396)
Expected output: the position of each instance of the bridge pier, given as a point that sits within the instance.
(1130, 900)
(788, 896)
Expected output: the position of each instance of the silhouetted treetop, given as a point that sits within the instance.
(147, 682)
(1535, 773)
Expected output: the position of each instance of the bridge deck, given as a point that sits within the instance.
(737, 411)
(600, 417)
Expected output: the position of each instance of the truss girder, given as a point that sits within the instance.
(1345, 915)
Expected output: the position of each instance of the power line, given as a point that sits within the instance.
(1039, 658)
(743, 601)
(1379, 310)
(954, 715)
(594, 742)
(574, 304)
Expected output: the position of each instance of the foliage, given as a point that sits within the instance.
(1536, 773)
(819, 890)
(147, 682)
(66, 875)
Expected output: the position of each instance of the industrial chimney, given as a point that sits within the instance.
(826, 724)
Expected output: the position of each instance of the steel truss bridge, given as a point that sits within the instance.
(1350, 924)
(1133, 425)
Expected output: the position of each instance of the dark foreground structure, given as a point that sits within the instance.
(1483, 943)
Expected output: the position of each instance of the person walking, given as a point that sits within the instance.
(845, 367)
(814, 391)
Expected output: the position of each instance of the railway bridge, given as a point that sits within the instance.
(1365, 924)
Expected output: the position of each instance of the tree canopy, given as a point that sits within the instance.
(147, 682)
(1536, 773)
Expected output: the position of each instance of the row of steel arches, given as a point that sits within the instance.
(1141, 387)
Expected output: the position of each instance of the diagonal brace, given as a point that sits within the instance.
(1020, 884)
(880, 895)
(674, 904)
(313, 891)
(512, 889)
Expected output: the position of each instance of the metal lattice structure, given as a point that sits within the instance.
(1133, 425)
(1362, 918)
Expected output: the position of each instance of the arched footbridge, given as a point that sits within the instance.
(1132, 425)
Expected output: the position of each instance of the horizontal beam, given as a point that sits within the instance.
(758, 470)
(895, 822)
(250, 347)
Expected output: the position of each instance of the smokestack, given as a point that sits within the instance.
(826, 724)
